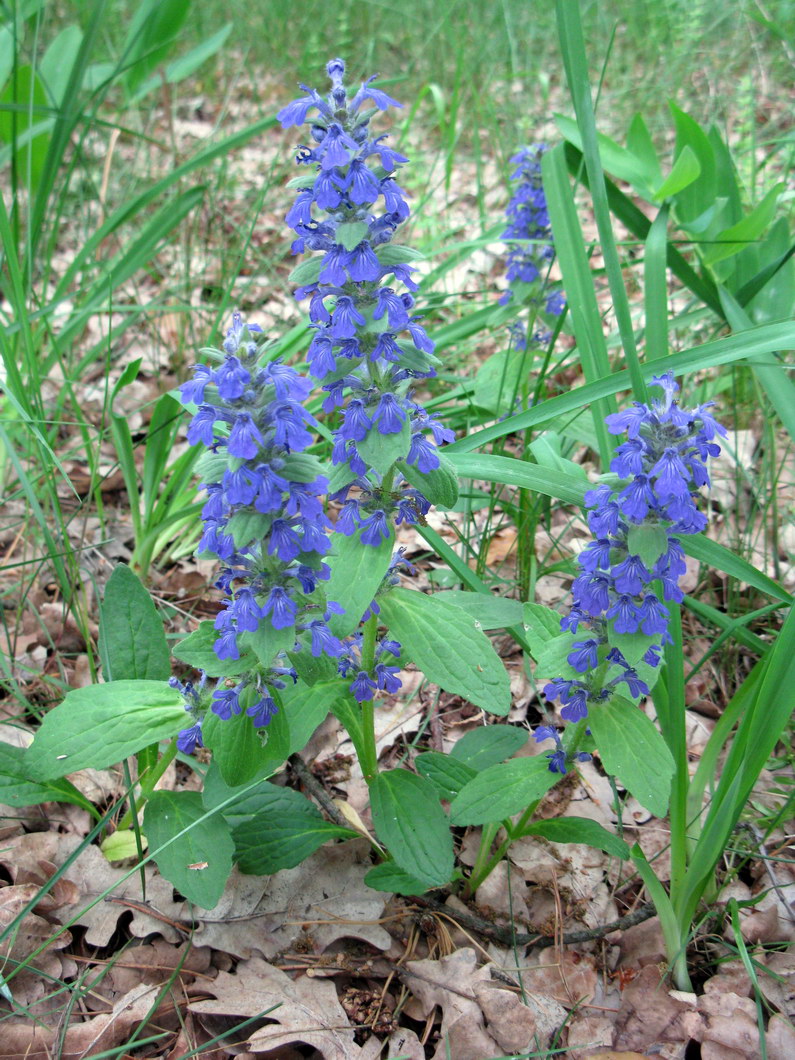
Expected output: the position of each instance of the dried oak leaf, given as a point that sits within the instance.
(303, 1010)
(24, 1038)
(321, 900)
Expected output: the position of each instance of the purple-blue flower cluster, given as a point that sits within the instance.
(263, 518)
(529, 239)
(560, 758)
(636, 527)
(367, 346)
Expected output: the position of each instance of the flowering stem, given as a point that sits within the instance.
(369, 761)
(674, 730)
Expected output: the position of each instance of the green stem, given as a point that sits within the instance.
(483, 866)
(369, 756)
(675, 734)
(487, 837)
(147, 783)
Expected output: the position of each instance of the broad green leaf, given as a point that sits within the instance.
(303, 467)
(197, 651)
(16, 789)
(447, 774)
(100, 725)
(247, 526)
(118, 846)
(633, 646)
(552, 657)
(580, 830)
(732, 240)
(502, 790)
(311, 669)
(541, 625)
(198, 862)
(153, 30)
(306, 708)
(285, 830)
(307, 272)
(685, 170)
(445, 644)
(357, 571)
(266, 642)
(57, 62)
(236, 746)
(351, 233)
(632, 749)
(412, 825)
(648, 542)
(489, 744)
(440, 486)
(381, 451)
(490, 612)
(132, 642)
(25, 124)
(397, 254)
(390, 877)
(499, 380)
(621, 162)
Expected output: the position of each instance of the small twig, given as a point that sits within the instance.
(506, 937)
(316, 789)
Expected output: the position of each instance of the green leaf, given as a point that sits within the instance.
(541, 625)
(236, 746)
(198, 863)
(285, 830)
(152, 32)
(440, 486)
(632, 749)
(382, 450)
(446, 773)
(447, 647)
(247, 526)
(389, 877)
(16, 789)
(132, 642)
(502, 790)
(499, 379)
(302, 467)
(311, 669)
(266, 642)
(397, 254)
(351, 233)
(633, 646)
(197, 651)
(489, 744)
(736, 237)
(357, 571)
(306, 708)
(490, 612)
(100, 725)
(552, 658)
(307, 272)
(684, 171)
(648, 542)
(412, 825)
(580, 830)
(507, 469)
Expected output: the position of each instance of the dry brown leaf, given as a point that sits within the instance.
(304, 1010)
(650, 1016)
(319, 901)
(449, 983)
